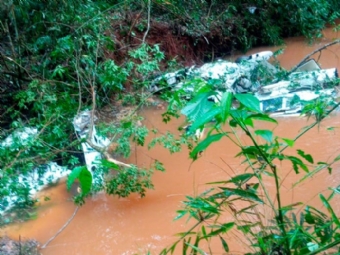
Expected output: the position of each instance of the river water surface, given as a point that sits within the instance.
(107, 225)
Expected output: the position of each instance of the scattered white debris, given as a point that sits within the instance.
(82, 124)
(34, 181)
(308, 82)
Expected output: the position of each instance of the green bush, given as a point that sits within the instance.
(310, 232)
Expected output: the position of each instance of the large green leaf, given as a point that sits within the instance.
(226, 105)
(85, 179)
(208, 116)
(197, 107)
(265, 134)
(84, 176)
(73, 176)
(204, 144)
(249, 101)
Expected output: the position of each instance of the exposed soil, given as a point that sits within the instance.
(174, 41)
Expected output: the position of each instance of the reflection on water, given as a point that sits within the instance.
(107, 225)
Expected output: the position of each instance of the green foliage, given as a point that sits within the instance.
(170, 142)
(61, 57)
(85, 179)
(129, 180)
(57, 59)
(245, 24)
(315, 232)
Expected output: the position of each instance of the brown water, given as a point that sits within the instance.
(107, 225)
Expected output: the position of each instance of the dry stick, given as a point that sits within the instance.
(147, 30)
(134, 23)
(317, 50)
(60, 230)
(104, 151)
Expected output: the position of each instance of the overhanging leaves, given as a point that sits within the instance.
(208, 116)
(226, 105)
(330, 210)
(289, 142)
(297, 163)
(224, 244)
(238, 180)
(262, 117)
(204, 144)
(265, 134)
(84, 176)
(307, 157)
(242, 193)
(197, 107)
(249, 101)
(85, 179)
(73, 176)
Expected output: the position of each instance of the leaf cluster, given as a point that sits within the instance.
(243, 196)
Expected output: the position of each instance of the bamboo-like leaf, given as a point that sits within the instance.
(307, 157)
(289, 142)
(241, 179)
(242, 193)
(265, 134)
(237, 180)
(249, 101)
(224, 228)
(245, 210)
(290, 207)
(196, 248)
(321, 165)
(330, 210)
(204, 233)
(297, 163)
(182, 234)
(337, 158)
(246, 228)
(180, 214)
(263, 117)
(204, 144)
(224, 244)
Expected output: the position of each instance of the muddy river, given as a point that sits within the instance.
(108, 225)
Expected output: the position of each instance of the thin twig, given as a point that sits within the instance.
(147, 30)
(309, 55)
(60, 230)
(103, 151)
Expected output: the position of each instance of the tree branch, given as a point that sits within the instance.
(62, 228)
(309, 55)
(148, 28)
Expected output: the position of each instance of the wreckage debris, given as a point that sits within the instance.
(274, 87)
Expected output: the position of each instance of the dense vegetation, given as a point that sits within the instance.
(61, 57)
